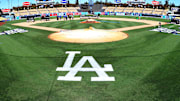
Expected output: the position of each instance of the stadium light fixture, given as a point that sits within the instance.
(8, 4)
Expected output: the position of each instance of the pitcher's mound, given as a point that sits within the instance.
(90, 35)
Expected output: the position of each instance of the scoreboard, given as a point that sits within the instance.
(84, 6)
(136, 2)
(63, 1)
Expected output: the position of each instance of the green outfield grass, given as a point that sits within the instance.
(146, 67)
(75, 24)
(135, 17)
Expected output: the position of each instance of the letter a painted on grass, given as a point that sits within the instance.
(71, 75)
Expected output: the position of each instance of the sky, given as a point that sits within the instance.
(15, 3)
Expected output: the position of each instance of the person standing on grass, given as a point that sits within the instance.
(33, 19)
(60, 17)
(27, 19)
(64, 16)
(72, 16)
(57, 17)
(139, 18)
(160, 25)
(68, 16)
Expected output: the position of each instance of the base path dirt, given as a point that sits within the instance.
(31, 25)
(148, 22)
(90, 36)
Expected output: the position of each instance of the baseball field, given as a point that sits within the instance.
(146, 63)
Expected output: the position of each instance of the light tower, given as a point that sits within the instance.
(91, 4)
(77, 2)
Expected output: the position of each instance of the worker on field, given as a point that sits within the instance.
(57, 17)
(60, 17)
(160, 25)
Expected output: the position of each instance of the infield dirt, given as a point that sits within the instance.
(58, 36)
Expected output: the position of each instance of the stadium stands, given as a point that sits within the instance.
(60, 9)
(126, 10)
(23, 13)
(158, 12)
(129, 9)
(16, 13)
(77, 8)
(33, 11)
(104, 8)
(2, 19)
(72, 9)
(98, 8)
(52, 10)
(110, 9)
(119, 9)
(148, 11)
(43, 11)
(165, 12)
(138, 10)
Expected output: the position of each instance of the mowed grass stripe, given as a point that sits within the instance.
(166, 77)
(136, 17)
(20, 71)
(129, 80)
(146, 67)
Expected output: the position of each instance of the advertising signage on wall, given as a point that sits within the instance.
(117, 1)
(155, 2)
(26, 3)
(6, 10)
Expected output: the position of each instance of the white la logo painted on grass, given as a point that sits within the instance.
(70, 76)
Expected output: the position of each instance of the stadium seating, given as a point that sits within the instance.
(72, 9)
(148, 11)
(119, 9)
(52, 10)
(77, 8)
(23, 13)
(33, 11)
(43, 11)
(60, 9)
(16, 13)
(2, 19)
(129, 9)
(138, 10)
(158, 11)
(104, 8)
(110, 9)
(165, 12)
